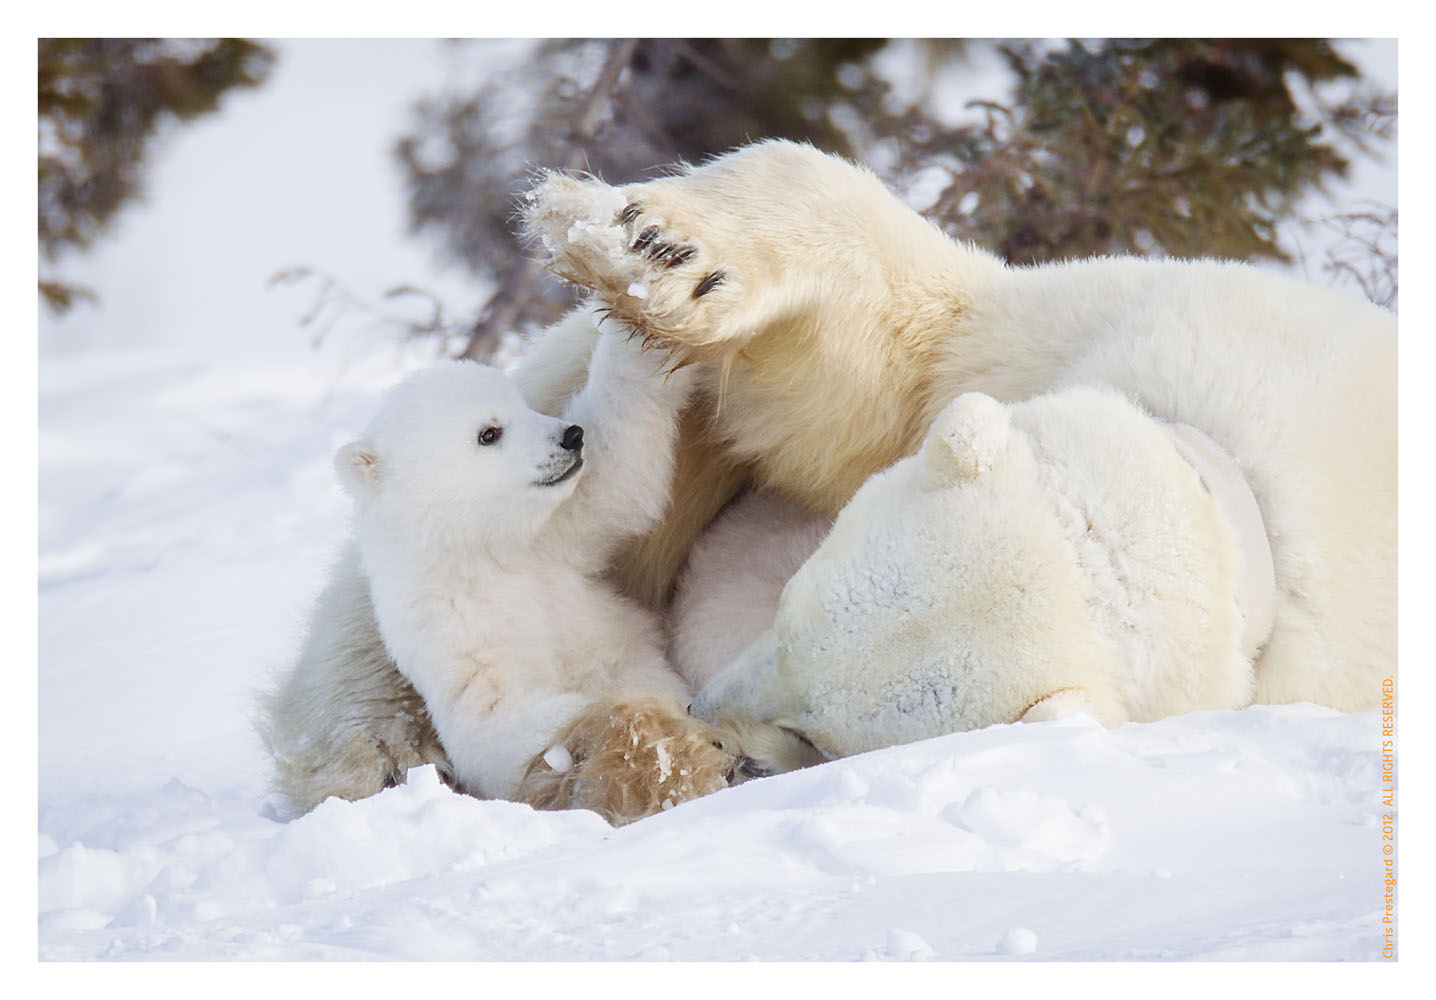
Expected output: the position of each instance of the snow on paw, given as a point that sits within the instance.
(651, 274)
(679, 280)
(578, 223)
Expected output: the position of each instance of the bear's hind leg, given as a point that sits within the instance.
(342, 721)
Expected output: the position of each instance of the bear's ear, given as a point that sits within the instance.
(358, 468)
(966, 440)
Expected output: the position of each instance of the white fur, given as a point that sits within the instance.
(1059, 546)
(343, 721)
(728, 595)
(847, 325)
(484, 571)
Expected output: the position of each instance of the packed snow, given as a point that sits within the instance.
(188, 515)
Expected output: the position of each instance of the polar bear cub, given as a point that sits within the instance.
(482, 527)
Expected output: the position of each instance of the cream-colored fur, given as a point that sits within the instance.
(729, 592)
(843, 323)
(829, 325)
(626, 758)
(706, 475)
(1057, 555)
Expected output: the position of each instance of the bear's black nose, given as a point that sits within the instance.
(572, 438)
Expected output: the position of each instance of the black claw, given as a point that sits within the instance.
(630, 212)
(660, 252)
(644, 238)
(753, 769)
(682, 256)
(708, 284)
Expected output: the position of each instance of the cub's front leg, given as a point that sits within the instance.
(629, 409)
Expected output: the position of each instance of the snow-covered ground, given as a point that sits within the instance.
(1249, 835)
(187, 514)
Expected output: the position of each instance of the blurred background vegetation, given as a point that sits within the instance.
(1155, 147)
(101, 103)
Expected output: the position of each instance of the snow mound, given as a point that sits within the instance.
(970, 846)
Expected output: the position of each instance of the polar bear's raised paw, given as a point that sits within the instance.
(650, 273)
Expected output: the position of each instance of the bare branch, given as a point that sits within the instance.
(333, 302)
(1366, 252)
(518, 282)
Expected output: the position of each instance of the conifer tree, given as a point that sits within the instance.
(101, 103)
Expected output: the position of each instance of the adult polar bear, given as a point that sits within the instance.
(836, 324)
(832, 324)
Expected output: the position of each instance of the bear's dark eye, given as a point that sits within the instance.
(489, 435)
